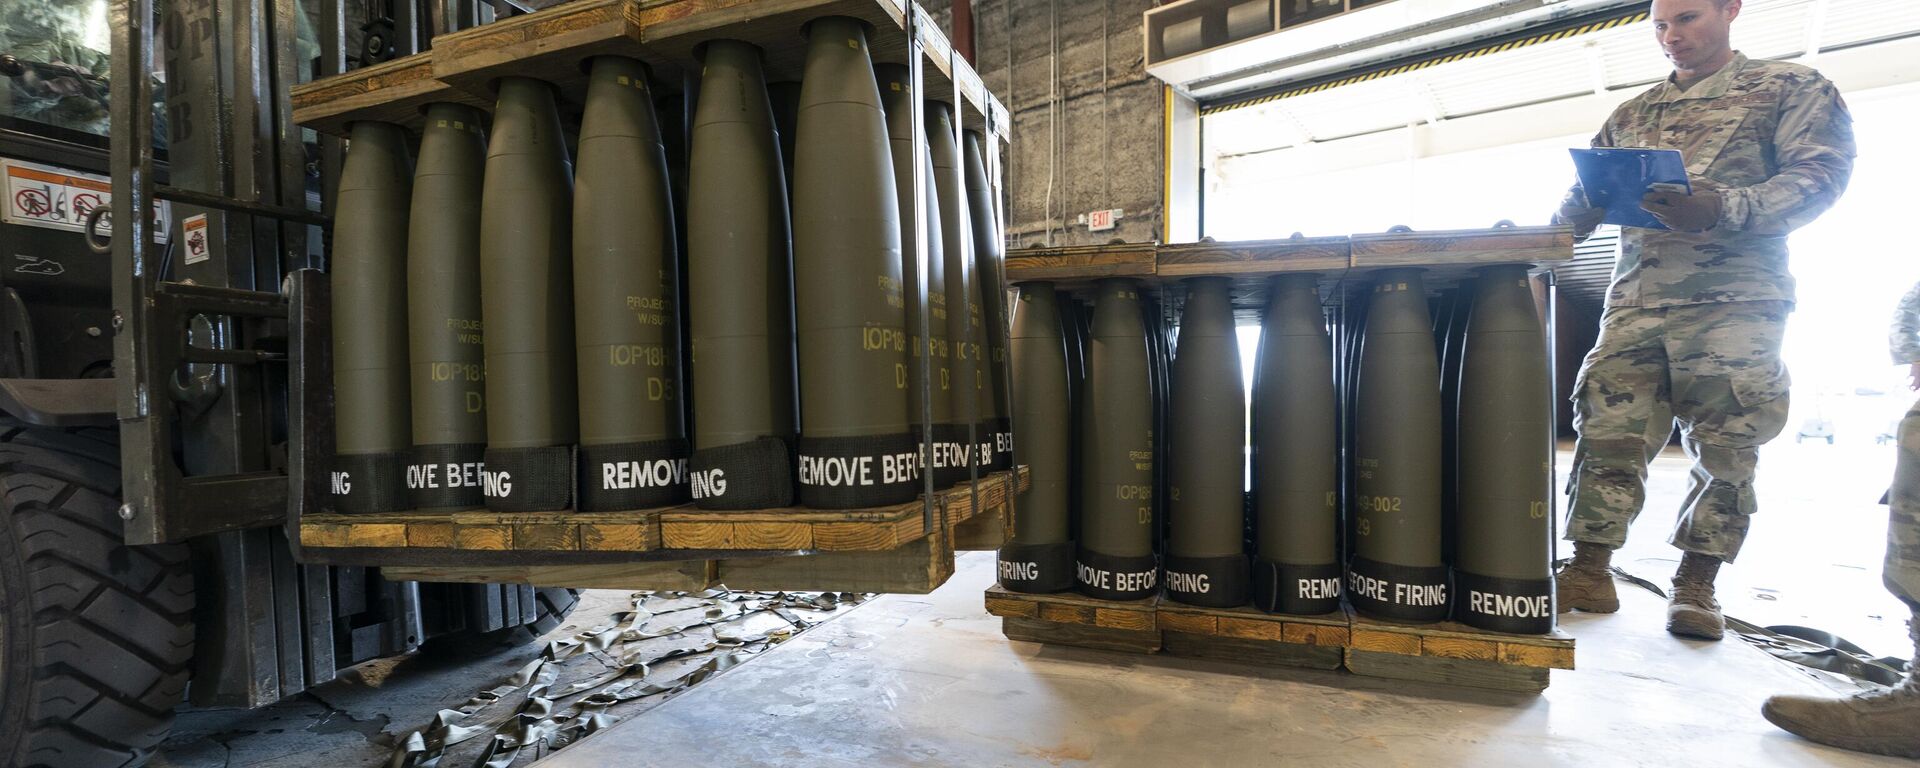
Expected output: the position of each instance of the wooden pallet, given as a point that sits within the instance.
(1455, 654)
(1069, 619)
(1446, 652)
(555, 43)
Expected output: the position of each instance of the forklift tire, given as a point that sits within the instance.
(96, 637)
(552, 605)
(555, 604)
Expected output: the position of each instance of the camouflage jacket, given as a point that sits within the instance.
(1904, 338)
(1775, 140)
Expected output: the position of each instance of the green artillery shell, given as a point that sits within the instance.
(1077, 318)
(1074, 317)
(1503, 579)
(1039, 558)
(1160, 382)
(633, 446)
(966, 319)
(526, 280)
(993, 291)
(949, 451)
(370, 331)
(1116, 560)
(785, 97)
(443, 312)
(1206, 562)
(963, 391)
(676, 123)
(1396, 572)
(741, 291)
(855, 447)
(1296, 457)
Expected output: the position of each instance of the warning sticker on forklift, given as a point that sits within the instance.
(193, 232)
(51, 197)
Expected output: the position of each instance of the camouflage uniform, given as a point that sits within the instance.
(1694, 321)
(1902, 569)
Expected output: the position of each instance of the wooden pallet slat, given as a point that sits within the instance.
(553, 45)
(1247, 635)
(1471, 247)
(1070, 619)
(687, 575)
(914, 568)
(1253, 257)
(396, 91)
(1081, 263)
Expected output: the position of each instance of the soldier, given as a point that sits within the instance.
(1881, 720)
(1695, 314)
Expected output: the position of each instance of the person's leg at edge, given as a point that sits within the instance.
(1880, 721)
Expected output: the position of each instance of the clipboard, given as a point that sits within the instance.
(1616, 179)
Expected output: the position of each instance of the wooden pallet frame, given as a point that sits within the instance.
(1254, 260)
(914, 567)
(1456, 654)
(1446, 652)
(569, 537)
(553, 44)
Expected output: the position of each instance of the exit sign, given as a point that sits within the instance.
(1101, 221)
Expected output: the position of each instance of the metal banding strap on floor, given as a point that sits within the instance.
(1808, 647)
(1269, 95)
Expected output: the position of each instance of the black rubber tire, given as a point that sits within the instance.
(96, 637)
(555, 604)
(552, 606)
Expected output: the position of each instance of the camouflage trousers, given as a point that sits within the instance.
(1716, 369)
(1901, 571)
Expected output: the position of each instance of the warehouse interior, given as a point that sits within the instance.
(257, 516)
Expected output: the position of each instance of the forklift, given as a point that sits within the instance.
(144, 371)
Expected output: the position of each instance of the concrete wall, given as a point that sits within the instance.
(1087, 120)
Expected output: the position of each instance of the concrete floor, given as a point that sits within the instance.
(359, 719)
(929, 680)
(911, 680)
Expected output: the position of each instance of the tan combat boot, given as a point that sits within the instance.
(1692, 611)
(1880, 721)
(1586, 583)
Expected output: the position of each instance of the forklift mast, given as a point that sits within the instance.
(200, 328)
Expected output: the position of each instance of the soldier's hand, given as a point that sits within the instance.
(1697, 212)
(1913, 377)
(1584, 220)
